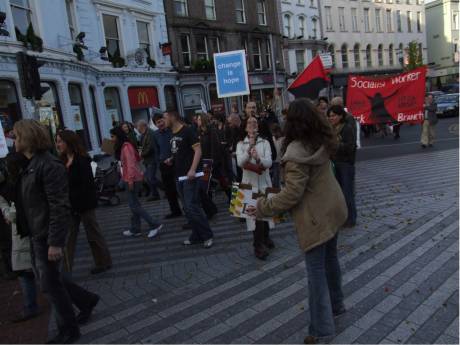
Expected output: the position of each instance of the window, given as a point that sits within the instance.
(328, 18)
(22, 15)
(50, 104)
(367, 24)
(331, 51)
(342, 18)
(419, 21)
(78, 114)
(214, 45)
(369, 55)
(354, 20)
(380, 54)
(391, 55)
(180, 7)
(210, 9)
(301, 2)
(455, 21)
(257, 55)
(261, 15)
(344, 55)
(398, 20)
(378, 22)
(389, 21)
(357, 56)
(10, 110)
(143, 36)
(302, 26)
(300, 60)
(201, 48)
(70, 9)
(114, 113)
(268, 54)
(409, 24)
(244, 44)
(314, 22)
(420, 50)
(240, 13)
(170, 97)
(92, 94)
(401, 54)
(287, 25)
(186, 54)
(112, 39)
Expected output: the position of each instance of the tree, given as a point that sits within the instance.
(415, 58)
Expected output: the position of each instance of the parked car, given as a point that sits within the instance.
(447, 105)
(450, 88)
(436, 94)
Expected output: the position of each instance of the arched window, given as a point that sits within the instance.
(287, 25)
(369, 55)
(331, 50)
(357, 55)
(401, 53)
(391, 60)
(344, 55)
(380, 54)
(314, 22)
(302, 26)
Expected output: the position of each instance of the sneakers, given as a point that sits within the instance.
(128, 233)
(154, 232)
(187, 243)
(208, 243)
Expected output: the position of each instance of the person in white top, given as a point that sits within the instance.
(254, 156)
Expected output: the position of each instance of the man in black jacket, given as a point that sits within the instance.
(43, 190)
(149, 155)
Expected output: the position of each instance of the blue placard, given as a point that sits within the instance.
(231, 74)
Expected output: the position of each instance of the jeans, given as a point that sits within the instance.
(345, 174)
(150, 177)
(167, 176)
(96, 240)
(137, 211)
(49, 275)
(29, 292)
(324, 288)
(189, 191)
(428, 133)
(209, 207)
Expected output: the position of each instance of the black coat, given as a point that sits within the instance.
(82, 189)
(346, 151)
(44, 192)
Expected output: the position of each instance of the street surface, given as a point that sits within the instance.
(400, 265)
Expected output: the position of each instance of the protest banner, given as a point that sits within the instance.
(231, 74)
(399, 98)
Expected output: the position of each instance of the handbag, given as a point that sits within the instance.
(257, 168)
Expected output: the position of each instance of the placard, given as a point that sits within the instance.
(231, 74)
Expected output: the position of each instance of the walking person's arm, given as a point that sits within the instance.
(196, 160)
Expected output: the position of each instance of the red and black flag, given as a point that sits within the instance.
(311, 81)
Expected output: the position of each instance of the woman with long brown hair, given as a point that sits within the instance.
(315, 200)
(83, 200)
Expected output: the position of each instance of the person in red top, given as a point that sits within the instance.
(132, 175)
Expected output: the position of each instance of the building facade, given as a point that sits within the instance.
(442, 19)
(200, 28)
(301, 29)
(103, 63)
(371, 36)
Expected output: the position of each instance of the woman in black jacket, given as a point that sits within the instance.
(83, 200)
(344, 158)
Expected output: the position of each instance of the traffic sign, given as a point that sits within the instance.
(231, 74)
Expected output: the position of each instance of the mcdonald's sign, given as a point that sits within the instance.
(143, 97)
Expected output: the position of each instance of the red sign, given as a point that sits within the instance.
(143, 97)
(166, 49)
(381, 100)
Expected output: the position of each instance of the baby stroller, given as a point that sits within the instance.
(106, 184)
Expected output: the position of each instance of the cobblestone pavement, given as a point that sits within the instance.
(400, 270)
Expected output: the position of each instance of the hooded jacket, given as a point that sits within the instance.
(311, 194)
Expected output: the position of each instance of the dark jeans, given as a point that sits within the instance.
(29, 292)
(138, 212)
(167, 176)
(345, 174)
(325, 295)
(189, 191)
(150, 177)
(261, 234)
(52, 285)
(209, 207)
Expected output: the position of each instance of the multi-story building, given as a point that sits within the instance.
(371, 36)
(102, 62)
(200, 28)
(302, 33)
(442, 22)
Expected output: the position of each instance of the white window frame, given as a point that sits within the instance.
(455, 24)
(119, 31)
(205, 47)
(391, 58)
(261, 15)
(217, 40)
(369, 56)
(380, 57)
(287, 25)
(357, 55)
(378, 20)
(367, 20)
(344, 53)
(409, 21)
(314, 27)
(258, 55)
(186, 52)
(72, 18)
(148, 34)
(302, 28)
(212, 6)
(342, 25)
(300, 3)
(268, 54)
(297, 61)
(354, 19)
(389, 20)
(329, 26)
(31, 17)
(240, 10)
(419, 22)
(183, 3)
(398, 21)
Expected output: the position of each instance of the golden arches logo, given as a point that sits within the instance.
(142, 98)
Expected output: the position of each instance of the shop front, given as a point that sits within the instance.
(10, 112)
(142, 100)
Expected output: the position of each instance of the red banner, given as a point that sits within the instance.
(143, 97)
(381, 100)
